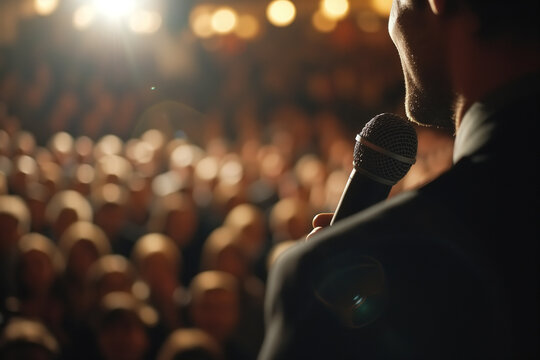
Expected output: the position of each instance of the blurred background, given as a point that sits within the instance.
(179, 145)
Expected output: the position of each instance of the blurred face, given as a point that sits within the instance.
(110, 218)
(64, 220)
(37, 272)
(181, 226)
(232, 261)
(419, 37)
(9, 232)
(216, 312)
(160, 275)
(123, 339)
(114, 281)
(83, 254)
(252, 239)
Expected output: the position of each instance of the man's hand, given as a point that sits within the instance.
(320, 221)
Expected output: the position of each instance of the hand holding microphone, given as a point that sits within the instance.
(384, 151)
(353, 285)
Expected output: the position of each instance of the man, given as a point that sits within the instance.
(448, 271)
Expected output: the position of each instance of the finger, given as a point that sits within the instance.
(322, 220)
(313, 232)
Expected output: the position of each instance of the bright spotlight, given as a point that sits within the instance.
(114, 9)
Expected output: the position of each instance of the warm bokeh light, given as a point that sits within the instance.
(201, 21)
(224, 20)
(281, 12)
(247, 27)
(335, 9)
(145, 22)
(83, 17)
(45, 7)
(382, 7)
(322, 23)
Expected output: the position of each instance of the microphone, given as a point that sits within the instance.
(384, 151)
(353, 285)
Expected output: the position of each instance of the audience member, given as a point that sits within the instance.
(290, 219)
(251, 225)
(158, 262)
(109, 203)
(177, 216)
(215, 308)
(110, 273)
(25, 171)
(28, 339)
(14, 223)
(38, 293)
(65, 208)
(123, 324)
(190, 344)
(37, 197)
(81, 244)
(223, 251)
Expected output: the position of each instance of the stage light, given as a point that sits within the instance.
(334, 9)
(45, 7)
(115, 9)
(281, 12)
(224, 20)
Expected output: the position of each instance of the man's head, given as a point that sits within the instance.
(438, 39)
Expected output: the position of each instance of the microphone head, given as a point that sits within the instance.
(386, 148)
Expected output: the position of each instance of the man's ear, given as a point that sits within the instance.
(437, 6)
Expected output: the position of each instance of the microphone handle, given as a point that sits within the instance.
(359, 193)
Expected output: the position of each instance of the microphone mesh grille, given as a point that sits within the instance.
(392, 133)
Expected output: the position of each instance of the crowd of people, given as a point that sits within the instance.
(136, 228)
(111, 249)
(153, 234)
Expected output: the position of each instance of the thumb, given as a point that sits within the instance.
(322, 220)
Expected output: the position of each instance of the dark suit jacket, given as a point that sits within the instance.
(448, 271)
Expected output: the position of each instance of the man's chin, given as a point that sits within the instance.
(437, 114)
